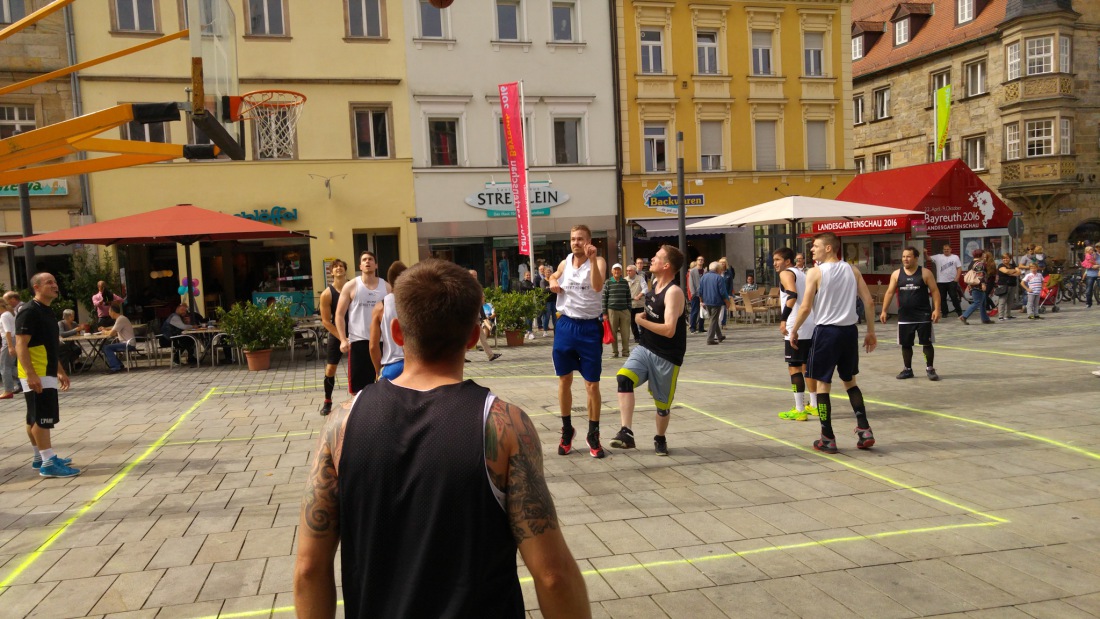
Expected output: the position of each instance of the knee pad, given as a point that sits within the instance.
(626, 385)
(662, 412)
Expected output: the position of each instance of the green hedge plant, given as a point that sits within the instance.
(255, 327)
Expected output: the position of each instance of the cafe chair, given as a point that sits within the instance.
(223, 344)
(305, 337)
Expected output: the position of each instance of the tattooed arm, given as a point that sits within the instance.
(513, 455)
(319, 528)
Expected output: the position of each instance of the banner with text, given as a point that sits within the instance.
(943, 119)
(511, 109)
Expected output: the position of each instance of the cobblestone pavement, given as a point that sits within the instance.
(980, 499)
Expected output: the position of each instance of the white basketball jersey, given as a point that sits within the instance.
(806, 331)
(835, 301)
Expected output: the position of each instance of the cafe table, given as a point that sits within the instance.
(91, 347)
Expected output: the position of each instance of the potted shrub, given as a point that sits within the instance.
(257, 330)
(515, 311)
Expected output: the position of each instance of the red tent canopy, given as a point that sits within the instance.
(184, 223)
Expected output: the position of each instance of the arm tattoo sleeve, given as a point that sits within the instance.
(530, 507)
(320, 506)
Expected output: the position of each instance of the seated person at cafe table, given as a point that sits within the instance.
(69, 351)
(174, 326)
(121, 329)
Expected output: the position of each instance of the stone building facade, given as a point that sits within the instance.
(1025, 102)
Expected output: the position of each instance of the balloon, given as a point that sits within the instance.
(194, 282)
(195, 291)
(182, 290)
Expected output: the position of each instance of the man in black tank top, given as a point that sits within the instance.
(915, 314)
(329, 299)
(429, 484)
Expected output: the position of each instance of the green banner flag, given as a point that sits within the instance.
(943, 117)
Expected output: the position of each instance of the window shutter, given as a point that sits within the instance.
(765, 145)
(816, 141)
(711, 137)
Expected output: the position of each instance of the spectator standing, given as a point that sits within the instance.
(7, 349)
(1033, 284)
(1091, 264)
(948, 266)
(526, 284)
(979, 288)
(549, 311)
(616, 309)
(715, 298)
(727, 273)
(695, 275)
(1007, 280)
(101, 302)
(638, 289)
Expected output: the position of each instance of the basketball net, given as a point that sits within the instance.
(274, 114)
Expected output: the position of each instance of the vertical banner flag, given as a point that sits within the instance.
(511, 109)
(943, 116)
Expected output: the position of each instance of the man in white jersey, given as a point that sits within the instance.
(353, 315)
(947, 269)
(578, 335)
(390, 361)
(831, 290)
(792, 289)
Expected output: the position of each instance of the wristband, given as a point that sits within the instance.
(787, 313)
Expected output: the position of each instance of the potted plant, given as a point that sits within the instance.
(515, 311)
(257, 330)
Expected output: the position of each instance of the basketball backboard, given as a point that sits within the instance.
(214, 78)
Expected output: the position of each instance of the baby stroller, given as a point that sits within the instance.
(1050, 293)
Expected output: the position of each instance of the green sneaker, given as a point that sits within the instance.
(793, 415)
(811, 411)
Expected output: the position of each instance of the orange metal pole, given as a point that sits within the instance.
(34, 17)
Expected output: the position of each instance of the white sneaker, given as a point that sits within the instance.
(530, 336)
(1096, 373)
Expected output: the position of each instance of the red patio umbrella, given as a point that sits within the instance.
(184, 224)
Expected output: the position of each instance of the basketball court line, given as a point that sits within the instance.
(1020, 355)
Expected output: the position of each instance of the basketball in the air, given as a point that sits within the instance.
(440, 4)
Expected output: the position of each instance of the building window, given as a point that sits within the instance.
(1012, 141)
(861, 165)
(817, 145)
(270, 137)
(372, 133)
(706, 45)
(766, 156)
(813, 54)
(857, 109)
(901, 31)
(431, 21)
(1066, 137)
(857, 47)
(974, 152)
(882, 103)
(654, 144)
(1040, 138)
(975, 78)
(507, 20)
(1065, 65)
(1040, 55)
(529, 149)
(710, 146)
(443, 141)
(1012, 60)
(266, 17)
(12, 11)
(567, 140)
(965, 11)
(16, 118)
(939, 80)
(132, 15)
(882, 161)
(365, 18)
(761, 52)
(932, 151)
(562, 14)
(652, 51)
(150, 132)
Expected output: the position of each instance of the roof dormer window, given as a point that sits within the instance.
(901, 31)
(857, 47)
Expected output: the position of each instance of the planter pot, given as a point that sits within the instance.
(258, 359)
(514, 338)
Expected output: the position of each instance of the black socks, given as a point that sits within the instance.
(330, 382)
(907, 356)
(566, 423)
(855, 396)
(824, 414)
(798, 382)
(929, 356)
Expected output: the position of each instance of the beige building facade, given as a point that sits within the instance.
(1024, 111)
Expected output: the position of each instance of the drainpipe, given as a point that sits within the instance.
(78, 104)
(620, 213)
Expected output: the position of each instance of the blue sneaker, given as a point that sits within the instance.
(37, 462)
(54, 468)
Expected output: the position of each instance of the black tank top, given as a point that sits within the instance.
(422, 534)
(334, 298)
(914, 304)
(668, 348)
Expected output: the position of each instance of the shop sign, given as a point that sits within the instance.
(496, 199)
(976, 214)
(45, 187)
(275, 216)
(660, 199)
(869, 225)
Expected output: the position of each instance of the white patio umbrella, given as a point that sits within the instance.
(795, 209)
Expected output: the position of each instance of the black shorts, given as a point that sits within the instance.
(834, 348)
(919, 331)
(360, 367)
(332, 348)
(42, 408)
(796, 357)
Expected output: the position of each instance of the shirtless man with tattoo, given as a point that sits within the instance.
(393, 488)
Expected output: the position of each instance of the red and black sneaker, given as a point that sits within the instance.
(825, 444)
(866, 439)
(566, 444)
(594, 448)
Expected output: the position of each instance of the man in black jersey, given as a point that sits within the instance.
(329, 298)
(429, 484)
(915, 315)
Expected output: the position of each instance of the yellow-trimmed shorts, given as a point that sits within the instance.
(643, 365)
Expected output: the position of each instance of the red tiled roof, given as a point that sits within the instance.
(938, 32)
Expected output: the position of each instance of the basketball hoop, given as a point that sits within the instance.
(275, 114)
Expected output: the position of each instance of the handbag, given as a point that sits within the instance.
(972, 278)
(1001, 291)
(608, 336)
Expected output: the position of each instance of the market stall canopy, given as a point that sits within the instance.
(951, 196)
(184, 224)
(657, 227)
(794, 209)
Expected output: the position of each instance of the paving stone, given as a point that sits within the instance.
(176, 552)
(73, 598)
(128, 592)
(233, 579)
(178, 585)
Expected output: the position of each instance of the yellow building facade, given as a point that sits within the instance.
(761, 92)
(346, 179)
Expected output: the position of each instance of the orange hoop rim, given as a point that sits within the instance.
(257, 103)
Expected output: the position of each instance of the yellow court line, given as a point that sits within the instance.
(33, 556)
(241, 438)
(846, 463)
(977, 422)
(1020, 355)
(223, 391)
